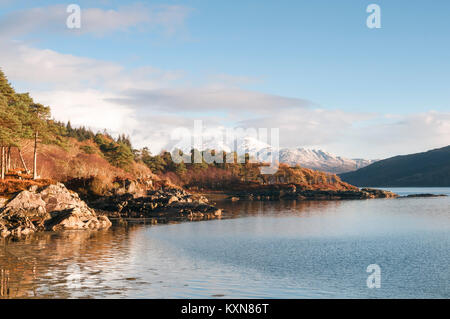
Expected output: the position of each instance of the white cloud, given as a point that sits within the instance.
(309, 127)
(146, 104)
(360, 135)
(399, 135)
(210, 99)
(45, 68)
(168, 18)
(24, 63)
(88, 108)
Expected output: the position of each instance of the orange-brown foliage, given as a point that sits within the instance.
(247, 177)
(79, 161)
(73, 162)
(11, 186)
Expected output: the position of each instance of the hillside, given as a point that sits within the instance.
(428, 169)
(36, 148)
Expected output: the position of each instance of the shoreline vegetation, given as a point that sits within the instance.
(58, 177)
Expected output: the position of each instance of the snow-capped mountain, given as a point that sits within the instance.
(247, 144)
(313, 159)
(321, 160)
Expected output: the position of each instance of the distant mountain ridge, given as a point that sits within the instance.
(427, 169)
(308, 158)
(321, 160)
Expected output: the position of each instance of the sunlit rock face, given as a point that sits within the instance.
(52, 207)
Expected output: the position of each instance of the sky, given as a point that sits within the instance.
(313, 69)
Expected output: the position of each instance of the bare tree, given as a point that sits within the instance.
(41, 114)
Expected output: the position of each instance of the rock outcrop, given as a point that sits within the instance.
(167, 203)
(423, 195)
(52, 207)
(292, 191)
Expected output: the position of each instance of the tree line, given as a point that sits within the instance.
(23, 119)
(20, 118)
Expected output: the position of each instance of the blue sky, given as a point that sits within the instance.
(375, 83)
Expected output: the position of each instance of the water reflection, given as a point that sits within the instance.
(88, 264)
(42, 263)
(285, 249)
(278, 208)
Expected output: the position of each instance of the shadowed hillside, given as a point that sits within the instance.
(428, 169)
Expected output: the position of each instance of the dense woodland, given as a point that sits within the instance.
(34, 146)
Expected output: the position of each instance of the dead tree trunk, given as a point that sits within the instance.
(35, 175)
(8, 160)
(3, 163)
(23, 162)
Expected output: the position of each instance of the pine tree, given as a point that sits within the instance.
(6, 89)
(69, 129)
(180, 169)
(9, 126)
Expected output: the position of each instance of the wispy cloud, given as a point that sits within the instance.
(210, 99)
(52, 19)
(358, 134)
(55, 70)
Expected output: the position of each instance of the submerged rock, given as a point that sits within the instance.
(52, 207)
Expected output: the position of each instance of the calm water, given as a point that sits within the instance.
(266, 249)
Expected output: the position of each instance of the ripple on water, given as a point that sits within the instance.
(264, 250)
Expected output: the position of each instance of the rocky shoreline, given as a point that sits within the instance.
(277, 192)
(56, 208)
(423, 195)
(48, 208)
(160, 205)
